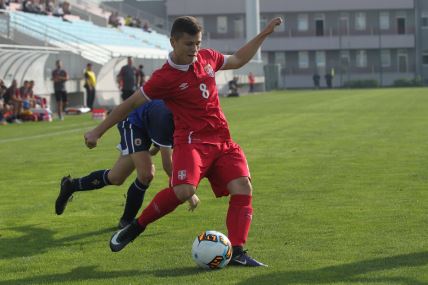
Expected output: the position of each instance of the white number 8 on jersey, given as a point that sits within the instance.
(204, 90)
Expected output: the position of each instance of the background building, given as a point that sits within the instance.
(380, 40)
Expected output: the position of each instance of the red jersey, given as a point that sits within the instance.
(190, 92)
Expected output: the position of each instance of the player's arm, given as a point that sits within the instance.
(246, 52)
(118, 114)
(166, 154)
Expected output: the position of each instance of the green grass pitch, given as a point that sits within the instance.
(340, 197)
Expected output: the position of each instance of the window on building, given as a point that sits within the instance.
(425, 58)
(424, 20)
(345, 57)
(319, 24)
(320, 59)
(265, 57)
(360, 21)
(401, 22)
(302, 22)
(303, 59)
(344, 23)
(263, 22)
(402, 59)
(384, 20)
(361, 58)
(238, 27)
(222, 24)
(280, 58)
(385, 57)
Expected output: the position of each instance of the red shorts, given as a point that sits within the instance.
(220, 163)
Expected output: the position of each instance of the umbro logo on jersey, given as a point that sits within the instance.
(183, 86)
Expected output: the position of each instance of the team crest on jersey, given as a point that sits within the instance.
(209, 70)
(181, 174)
(137, 142)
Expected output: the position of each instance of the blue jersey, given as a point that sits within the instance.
(156, 119)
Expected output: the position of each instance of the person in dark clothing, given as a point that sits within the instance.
(316, 78)
(329, 80)
(126, 79)
(59, 77)
(233, 87)
(140, 77)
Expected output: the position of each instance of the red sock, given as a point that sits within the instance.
(163, 203)
(238, 219)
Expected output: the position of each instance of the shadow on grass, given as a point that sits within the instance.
(88, 273)
(85, 273)
(348, 273)
(36, 240)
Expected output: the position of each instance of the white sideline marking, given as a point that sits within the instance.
(27, 138)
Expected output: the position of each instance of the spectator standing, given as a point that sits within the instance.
(251, 81)
(233, 87)
(126, 79)
(59, 77)
(316, 78)
(2, 5)
(140, 77)
(2, 105)
(90, 83)
(3, 89)
(329, 80)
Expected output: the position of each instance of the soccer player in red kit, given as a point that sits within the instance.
(202, 143)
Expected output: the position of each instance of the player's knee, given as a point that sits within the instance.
(240, 186)
(146, 178)
(184, 191)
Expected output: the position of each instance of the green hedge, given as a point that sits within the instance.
(362, 83)
(406, 82)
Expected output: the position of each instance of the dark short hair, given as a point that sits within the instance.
(185, 24)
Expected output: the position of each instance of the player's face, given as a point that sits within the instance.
(186, 48)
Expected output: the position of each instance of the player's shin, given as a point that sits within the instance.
(162, 204)
(238, 219)
(134, 200)
(95, 180)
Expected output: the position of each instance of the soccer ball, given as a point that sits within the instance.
(211, 250)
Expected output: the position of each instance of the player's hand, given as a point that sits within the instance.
(272, 24)
(91, 139)
(193, 203)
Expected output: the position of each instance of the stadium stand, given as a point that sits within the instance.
(93, 42)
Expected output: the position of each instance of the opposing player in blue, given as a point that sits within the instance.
(151, 123)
